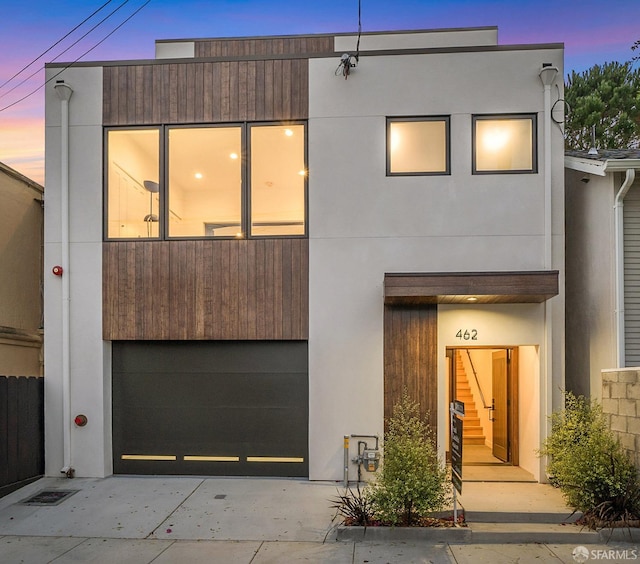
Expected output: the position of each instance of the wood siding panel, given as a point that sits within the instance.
(200, 290)
(410, 358)
(320, 45)
(456, 287)
(197, 92)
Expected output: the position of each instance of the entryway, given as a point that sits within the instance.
(485, 379)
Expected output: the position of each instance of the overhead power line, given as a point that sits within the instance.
(54, 45)
(76, 60)
(67, 49)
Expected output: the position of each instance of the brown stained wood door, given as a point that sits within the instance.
(500, 406)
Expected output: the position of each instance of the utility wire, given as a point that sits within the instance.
(74, 62)
(54, 45)
(67, 49)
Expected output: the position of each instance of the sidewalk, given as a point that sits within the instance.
(140, 520)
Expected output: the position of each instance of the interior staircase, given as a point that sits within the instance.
(472, 431)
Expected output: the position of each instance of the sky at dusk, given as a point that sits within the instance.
(592, 31)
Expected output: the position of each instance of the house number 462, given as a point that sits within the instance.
(467, 334)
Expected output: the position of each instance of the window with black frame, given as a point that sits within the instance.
(217, 181)
(418, 146)
(504, 144)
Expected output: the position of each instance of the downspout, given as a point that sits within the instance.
(618, 215)
(548, 74)
(64, 92)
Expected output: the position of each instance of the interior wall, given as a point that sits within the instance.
(483, 365)
(528, 412)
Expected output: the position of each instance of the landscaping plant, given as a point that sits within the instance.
(412, 481)
(355, 508)
(589, 465)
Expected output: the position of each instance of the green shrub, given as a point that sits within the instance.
(588, 464)
(412, 480)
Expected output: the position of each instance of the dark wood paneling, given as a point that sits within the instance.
(410, 358)
(456, 287)
(200, 290)
(200, 92)
(317, 45)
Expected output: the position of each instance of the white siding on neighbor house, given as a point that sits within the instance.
(590, 290)
(632, 276)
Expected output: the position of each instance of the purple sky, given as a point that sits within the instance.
(592, 31)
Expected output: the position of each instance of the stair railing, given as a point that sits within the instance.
(475, 375)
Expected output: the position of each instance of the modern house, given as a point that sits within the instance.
(259, 243)
(603, 265)
(21, 232)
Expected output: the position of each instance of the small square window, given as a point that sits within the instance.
(504, 144)
(417, 146)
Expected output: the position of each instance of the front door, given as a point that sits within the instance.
(500, 405)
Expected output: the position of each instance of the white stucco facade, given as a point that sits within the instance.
(89, 360)
(364, 224)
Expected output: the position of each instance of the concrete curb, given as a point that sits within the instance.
(481, 533)
(620, 534)
(390, 534)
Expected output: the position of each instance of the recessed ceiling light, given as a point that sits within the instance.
(198, 175)
(234, 155)
(288, 132)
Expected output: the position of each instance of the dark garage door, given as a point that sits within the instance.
(236, 408)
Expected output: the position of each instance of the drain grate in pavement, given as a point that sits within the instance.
(48, 497)
(220, 496)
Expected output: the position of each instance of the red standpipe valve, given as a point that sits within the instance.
(57, 270)
(80, 420)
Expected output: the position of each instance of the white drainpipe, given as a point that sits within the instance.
(64, 92)
(619, 239)
(548, 74)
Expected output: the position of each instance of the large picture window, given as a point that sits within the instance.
(205, 181)
(278, 176)
(504, 144)
(133, 168)
(418, 146)
(229, 181)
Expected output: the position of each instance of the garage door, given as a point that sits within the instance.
(211, 408)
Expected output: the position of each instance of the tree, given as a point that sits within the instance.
(607, 96)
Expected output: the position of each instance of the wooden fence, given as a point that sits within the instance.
(21, 431)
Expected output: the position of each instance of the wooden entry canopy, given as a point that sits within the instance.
(470, 287)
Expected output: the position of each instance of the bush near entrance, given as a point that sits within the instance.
(589, 465)
(412, 481)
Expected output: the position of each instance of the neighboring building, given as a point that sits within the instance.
(262, 254)
(603, 265)
(21, 234)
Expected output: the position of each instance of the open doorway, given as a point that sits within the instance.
(485, 379)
